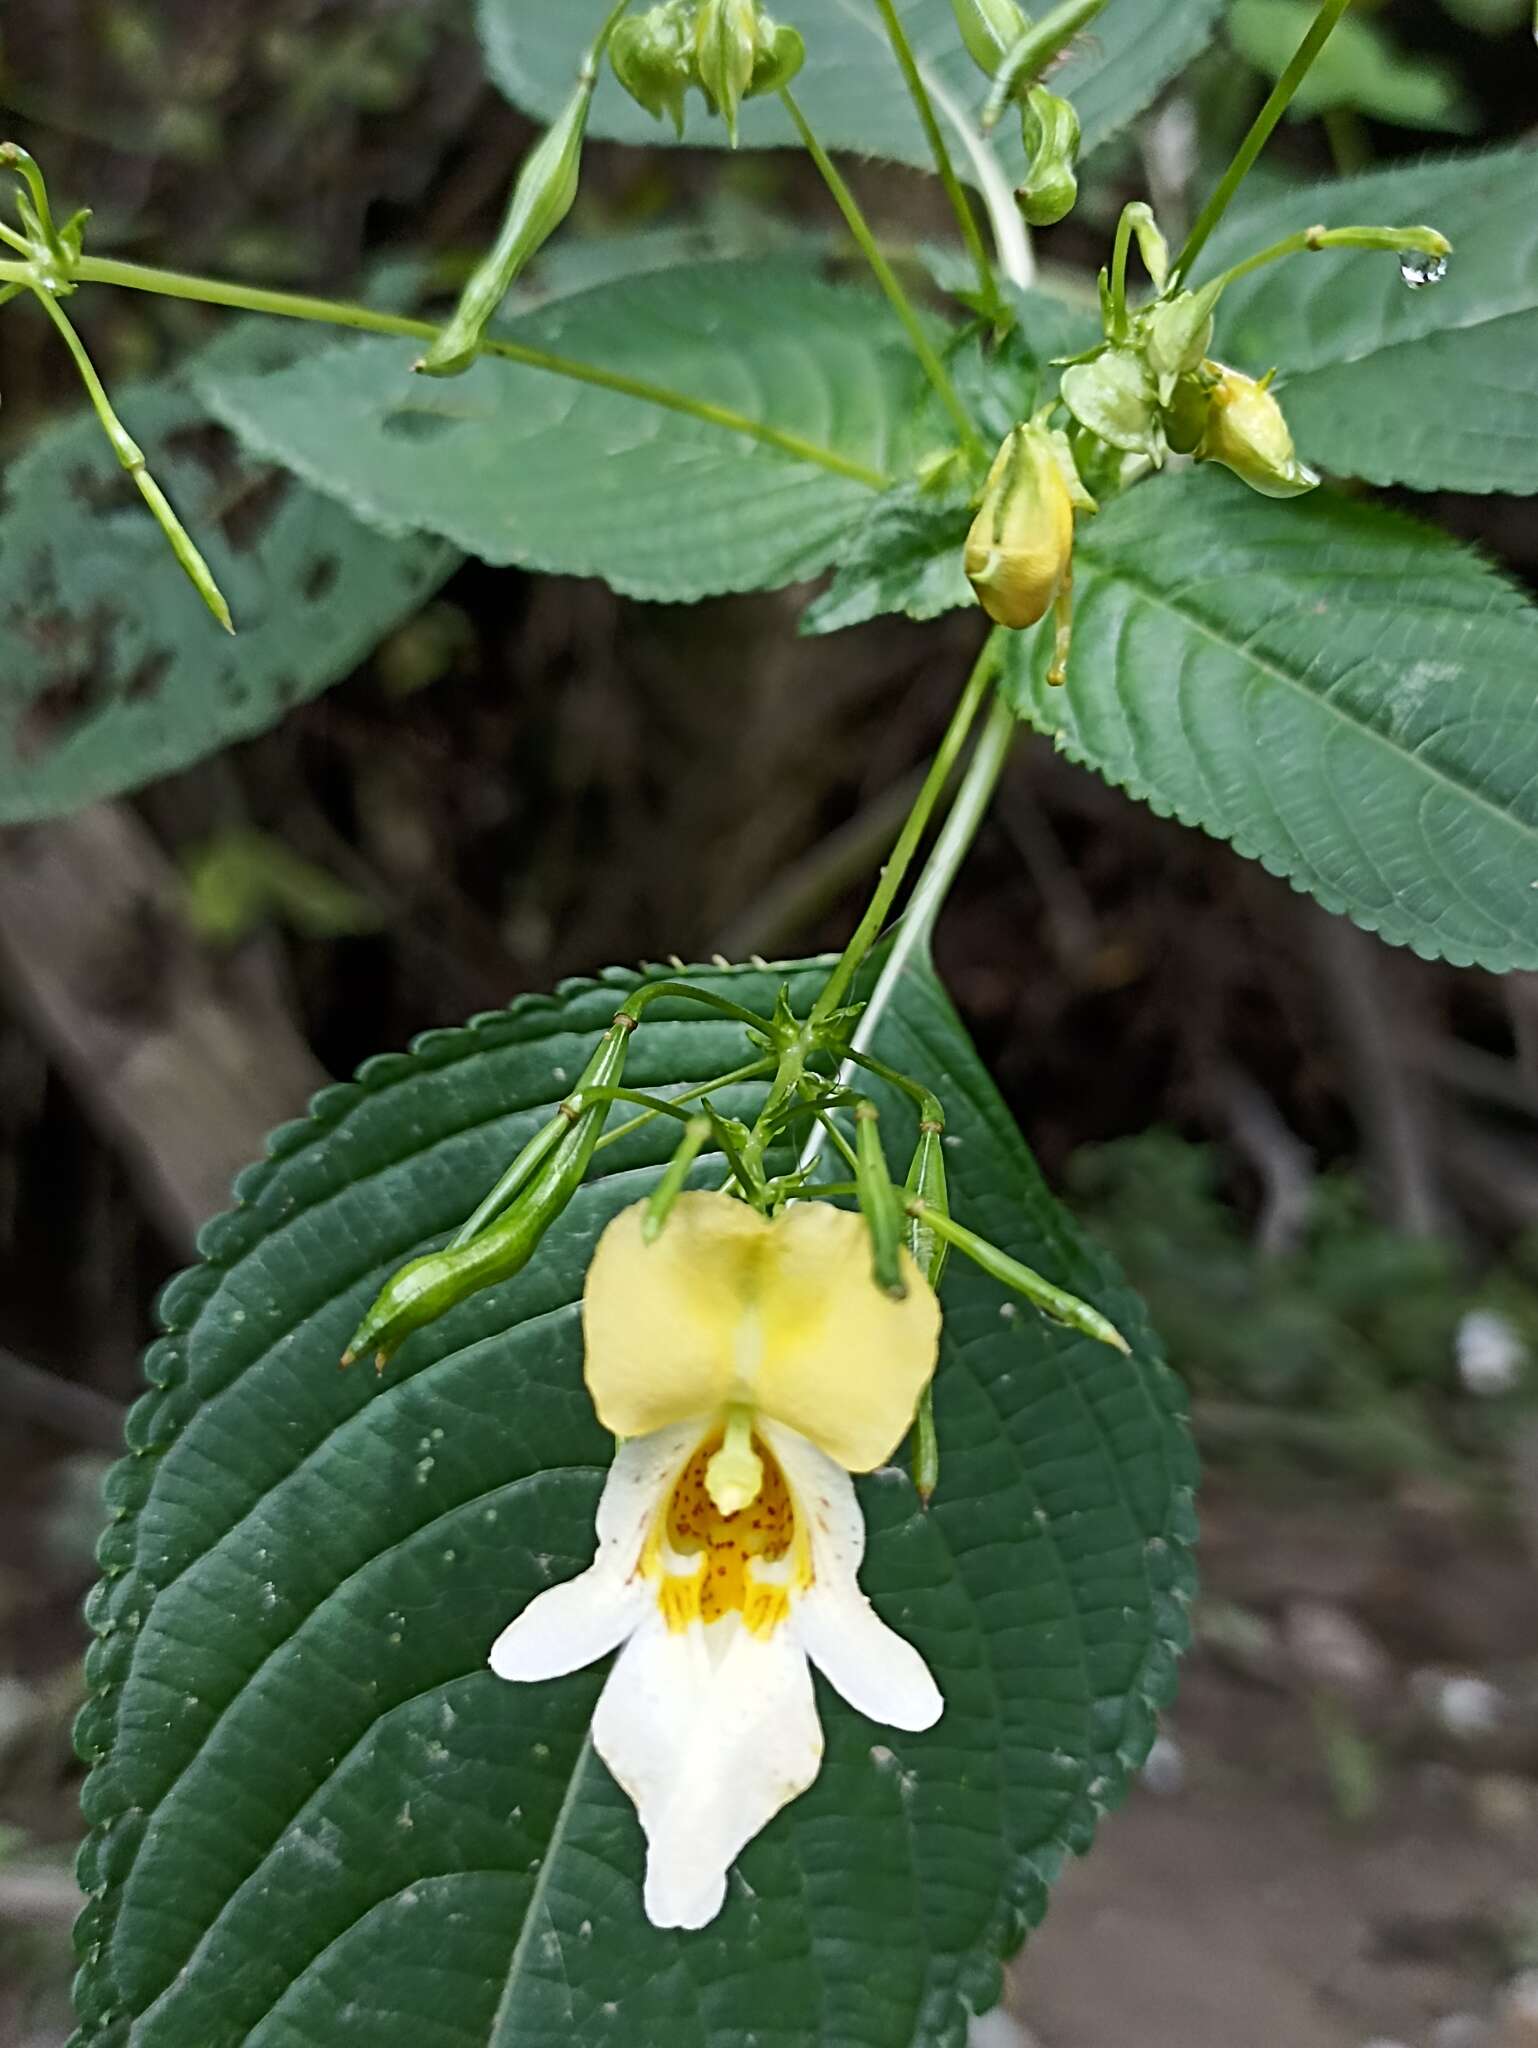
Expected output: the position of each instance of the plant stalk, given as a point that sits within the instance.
(208, 291)
(1260, 133)
(891, 878)
(886, 277)
(961, 206)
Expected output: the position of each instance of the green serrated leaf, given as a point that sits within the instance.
(1431, 388)
(850, 87)
(519, 465)
(1345, 694)
(1359, 67)
(114, 673)
(905, 556)
(318, 1819)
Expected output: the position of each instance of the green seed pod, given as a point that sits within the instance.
(1049, 127)
(1247, 432)
(990, 29)
(878, 1203)
(926, 1184)
(542, 198)
(1054, 1302)
(653, 59)
(1021, 543)
(726, 50)
(1114, 397)
(926, 1447)
(426, 1288)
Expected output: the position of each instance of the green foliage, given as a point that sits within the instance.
(112, 676)
(1359, 67)
(850, 88)
(517, 465)
(239, 880)
(1344, 694)
(904, 556)
(1340, 1348)
(1430, 388)
(316, 1813)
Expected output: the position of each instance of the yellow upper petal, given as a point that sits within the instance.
(783, 1314)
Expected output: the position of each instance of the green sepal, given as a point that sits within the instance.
(543, 194)
(1114, 396)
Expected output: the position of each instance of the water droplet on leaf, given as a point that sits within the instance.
(1417, 268)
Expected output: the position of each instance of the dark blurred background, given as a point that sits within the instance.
(1314, 1154)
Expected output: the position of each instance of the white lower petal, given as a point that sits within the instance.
(880, 1674)
(710, 1732)
(572, 1624)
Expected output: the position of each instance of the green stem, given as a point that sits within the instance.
(210, 291)
(886, 277)
(891, 878)
(961, 206)
(1421, 241)
(1260, 133)
(756, 1070)
(934, 882)
(131, 456)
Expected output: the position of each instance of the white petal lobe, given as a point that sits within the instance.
(575, 1623)
(710, 1732)
(880, 1674)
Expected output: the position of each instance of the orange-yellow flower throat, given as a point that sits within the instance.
(707, 1564)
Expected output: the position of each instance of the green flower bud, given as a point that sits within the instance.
(1248, 434)
(1114, 397)
(1177, 334)
(990, 29)
(1186, 411)
(1020, 548)
(726, 50)
(653, 59)
(781, 54)
(1049, 127)
(542, 198)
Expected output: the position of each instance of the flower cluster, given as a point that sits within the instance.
(749, 1348)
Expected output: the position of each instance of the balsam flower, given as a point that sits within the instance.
(750, 1365)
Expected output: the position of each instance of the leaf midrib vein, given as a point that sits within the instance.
(1245, 653)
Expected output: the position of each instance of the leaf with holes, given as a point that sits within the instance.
(1345, 694)
(518, 465)
(320, 1822)
(850, 88)
(114, 672)
(1431, 388)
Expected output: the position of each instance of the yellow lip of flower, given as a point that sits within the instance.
(750, 1364)
(779, 1318)
(708, 1719)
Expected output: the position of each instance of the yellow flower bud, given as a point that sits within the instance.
(1021, 543)
(1248, 434)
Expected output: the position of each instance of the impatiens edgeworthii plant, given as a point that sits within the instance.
(757, 1350)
